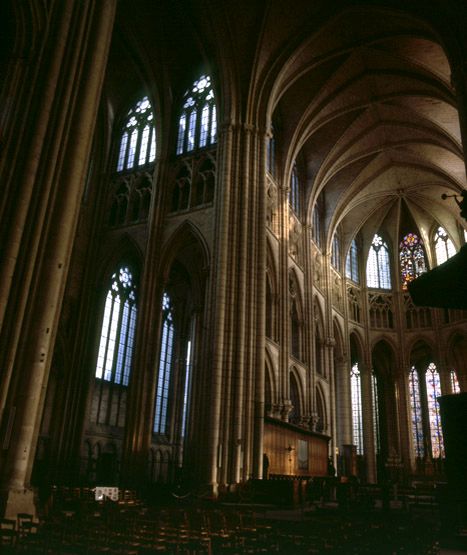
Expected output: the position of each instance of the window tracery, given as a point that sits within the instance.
(412, 258)
(118, 329)
(378, 271)
(138, 138)
(444, 247)
(381, 311)
(197, 126)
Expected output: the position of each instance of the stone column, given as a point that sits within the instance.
(344, 403)
(234, 448)
(77, 42)
(330, 371)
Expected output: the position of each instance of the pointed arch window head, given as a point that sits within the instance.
(378, 272)
(138, 137)
(118, 329)
(351, 263)
(294, 199)
(197, 125)
(412, 258)
(165, 367)
(444, 247)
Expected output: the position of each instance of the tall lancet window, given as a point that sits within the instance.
(294, 200)
(412, 258)
(118, 329)
(378, 271)
(357, 421)
(187, 385)
(416, 413)
(336, 254)
(351, 263)
(138, 138)
(433, 391)
(165, 367)
(455, 388)
(444, 247)
(374, 398)
(197, 125)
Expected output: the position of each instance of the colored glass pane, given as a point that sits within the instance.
(455, 388)
(433, 391)
(412, 258)
(416, 413)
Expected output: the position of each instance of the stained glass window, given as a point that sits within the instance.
(455, 388)
(197, 125)
(416, 413)
(335, 255)
(316, 226)
(294, 192)
(351, 263)
(374, 398)
(433, 391)
(378, 272)
(138, 139)
(412, 258)
(165, 367)
(444, 247)
(357, 422)
(118, 329)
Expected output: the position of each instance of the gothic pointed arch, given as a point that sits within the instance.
(187, 242)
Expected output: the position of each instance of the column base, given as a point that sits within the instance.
(19, 501)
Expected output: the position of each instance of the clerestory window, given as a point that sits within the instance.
(444, 247)
(351, 263)
(138, 137)
(197, 126)
(378, 274)
(412, 258)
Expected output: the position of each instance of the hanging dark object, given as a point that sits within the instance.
(446, 285)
